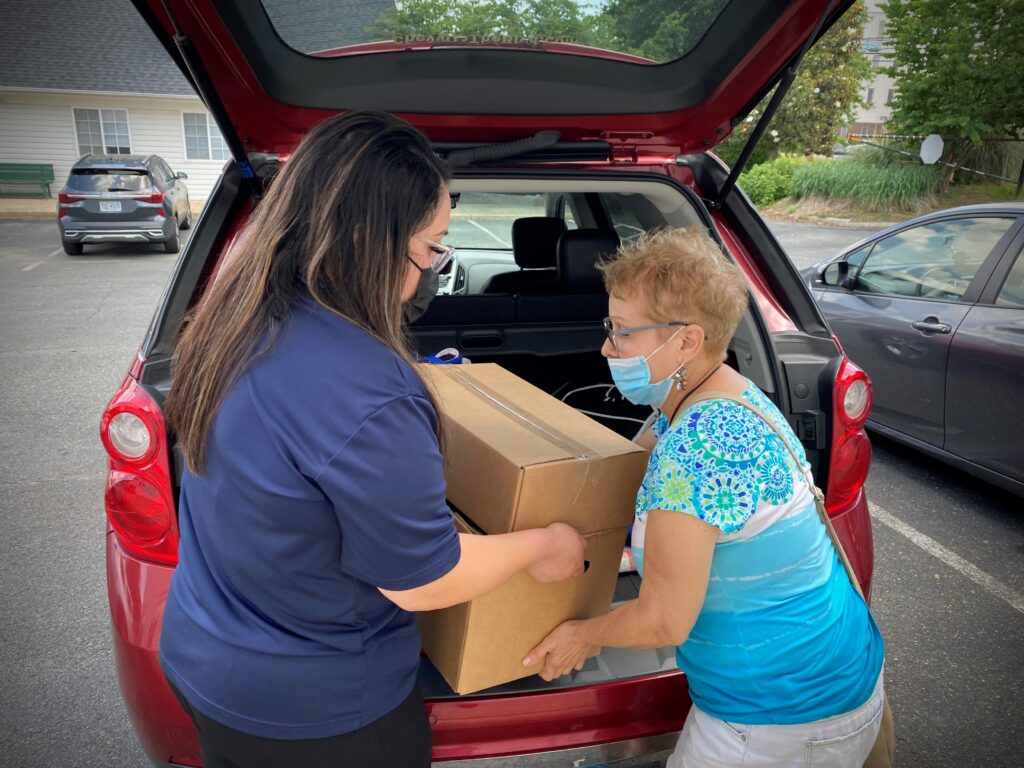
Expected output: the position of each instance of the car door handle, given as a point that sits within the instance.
(931, 325)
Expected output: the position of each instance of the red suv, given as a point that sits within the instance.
(604, 145)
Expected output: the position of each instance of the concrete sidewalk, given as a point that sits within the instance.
(27, 208)
(34, 208)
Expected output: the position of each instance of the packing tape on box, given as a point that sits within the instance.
(549, 433)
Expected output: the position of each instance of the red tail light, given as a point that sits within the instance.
(851, 450)
(139, 496)
(64, 198)
(156, 197)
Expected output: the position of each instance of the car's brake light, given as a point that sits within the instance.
(64, 198)
(851, 449)
(139, 497)
(156, 197)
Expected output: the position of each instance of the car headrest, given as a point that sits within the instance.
(534, 240)
(578, 253)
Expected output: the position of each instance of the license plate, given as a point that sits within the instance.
(110, 206)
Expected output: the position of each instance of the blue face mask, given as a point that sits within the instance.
(632, 377)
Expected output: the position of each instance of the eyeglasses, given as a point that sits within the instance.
(614, 333)
(440, 255)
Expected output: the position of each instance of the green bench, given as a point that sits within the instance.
(36, 174)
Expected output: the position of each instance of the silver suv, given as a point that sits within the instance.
(122, 199)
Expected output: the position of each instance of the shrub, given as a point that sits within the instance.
(771, 181)
(877, 186)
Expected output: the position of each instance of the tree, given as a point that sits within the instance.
(564, 20)
(661, 30)
(958, 66)
(821, 100)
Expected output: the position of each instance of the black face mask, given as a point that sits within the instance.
(426, 290)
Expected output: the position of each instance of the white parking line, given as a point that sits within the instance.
(485, 229)
(989, 583)
(32, 266)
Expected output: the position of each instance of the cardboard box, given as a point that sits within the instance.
(482, 643)
(518, 458)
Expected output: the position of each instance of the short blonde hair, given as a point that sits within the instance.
(681, 275)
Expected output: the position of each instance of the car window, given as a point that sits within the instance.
(565, 211)
(165, 170)
(624, 219)
(856, 259)
(158, 173)
(108, 180)
(638, 29)
(483, 220)
(1012, 292)
(936, 260)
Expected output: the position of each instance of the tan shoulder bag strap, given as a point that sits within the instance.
(819, 497)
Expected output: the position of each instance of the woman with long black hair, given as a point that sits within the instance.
(312, 515)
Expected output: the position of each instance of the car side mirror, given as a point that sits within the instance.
(181, 175)
(837, 274)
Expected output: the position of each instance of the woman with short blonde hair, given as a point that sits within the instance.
(783, 659)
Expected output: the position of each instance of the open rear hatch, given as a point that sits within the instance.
(270, 70)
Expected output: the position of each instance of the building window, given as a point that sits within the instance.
(102, 131)
(888, 96)
(871, 96)
(203, 140)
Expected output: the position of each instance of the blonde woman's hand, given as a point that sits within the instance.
(564, 556)
(561, 652)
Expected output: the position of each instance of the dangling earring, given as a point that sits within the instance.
(679, 377)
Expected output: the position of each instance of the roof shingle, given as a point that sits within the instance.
(104, 45)
(318, 25)
(84, 45)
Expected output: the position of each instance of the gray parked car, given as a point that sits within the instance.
(933, 310)
(123, 199)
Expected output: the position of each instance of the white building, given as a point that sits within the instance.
(880, 90)
(80, 76)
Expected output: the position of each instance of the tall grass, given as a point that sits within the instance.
(874, 185)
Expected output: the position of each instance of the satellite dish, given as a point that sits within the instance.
(931, 149)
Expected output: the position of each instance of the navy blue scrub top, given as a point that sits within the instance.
(323, 482)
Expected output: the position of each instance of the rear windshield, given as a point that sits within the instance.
(656, 30)
(109, 180)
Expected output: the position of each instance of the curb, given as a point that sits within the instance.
(831, 221)
(828, 221)
(29, 215)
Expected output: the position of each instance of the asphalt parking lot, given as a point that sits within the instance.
(949, 550)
